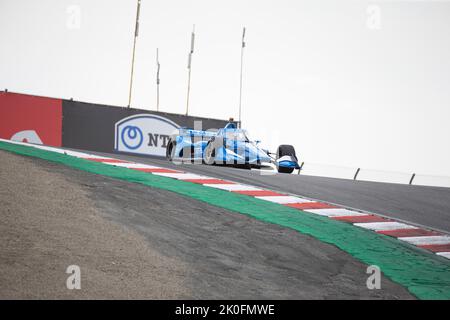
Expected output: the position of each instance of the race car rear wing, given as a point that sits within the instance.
(195, 133)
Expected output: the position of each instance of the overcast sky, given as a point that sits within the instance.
(349, 83)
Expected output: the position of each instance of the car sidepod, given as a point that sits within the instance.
(240, 152)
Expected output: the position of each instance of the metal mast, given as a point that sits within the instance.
(136, 31)
(240, 83)
(157, 79)
(189, 68)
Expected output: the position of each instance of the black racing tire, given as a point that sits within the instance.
(209, 154)
(285, 170)
(286, 150)
(170, 150)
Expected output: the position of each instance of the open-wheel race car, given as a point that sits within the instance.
(228, 146)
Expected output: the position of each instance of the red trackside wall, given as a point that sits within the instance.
(19, 113)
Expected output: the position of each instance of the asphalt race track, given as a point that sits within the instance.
(420, 205)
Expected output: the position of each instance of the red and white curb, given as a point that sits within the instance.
(433, 241)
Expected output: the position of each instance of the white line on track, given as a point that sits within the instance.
(83, 155)
(49, 149)
(233, 187)
(427, 240)
(379, 226)
(70, 152)
(283, 199)
(336, 212)
(180, 176)
(63, 151)
(132, 165)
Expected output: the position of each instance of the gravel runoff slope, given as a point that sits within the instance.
(49, 222)
(132, 241)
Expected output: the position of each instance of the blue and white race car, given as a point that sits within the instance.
(228, 146)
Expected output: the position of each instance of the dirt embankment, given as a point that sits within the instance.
(48, 223)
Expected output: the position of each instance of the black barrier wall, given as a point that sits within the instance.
(104, 128)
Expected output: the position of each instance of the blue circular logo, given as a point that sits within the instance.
(133, 135)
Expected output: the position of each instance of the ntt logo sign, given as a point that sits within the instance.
(144, 134)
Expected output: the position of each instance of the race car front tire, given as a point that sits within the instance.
(285, 150)
(285, 170)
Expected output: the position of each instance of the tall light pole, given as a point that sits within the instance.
(136, 31)
(189, 68)
(157, 79)
(240, 83)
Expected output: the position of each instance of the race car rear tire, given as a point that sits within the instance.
(170, 150)
(286, 150)
(209, 154)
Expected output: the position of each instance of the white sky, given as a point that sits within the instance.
(324, 76)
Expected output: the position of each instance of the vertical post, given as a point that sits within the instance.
(356, 174)
(240, 82)
(136, 31)
(157, 79)
(189, 68)
(301, 167)
(412, 178)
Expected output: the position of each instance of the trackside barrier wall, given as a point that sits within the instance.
(89, 126)
(109, 129)
(31, 119)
